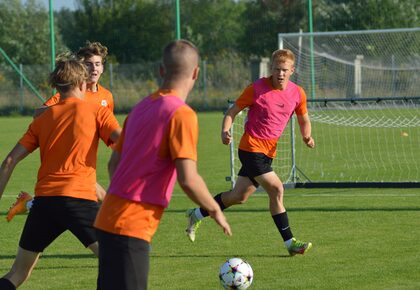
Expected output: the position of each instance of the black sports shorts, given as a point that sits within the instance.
(50, 216)
(123, 262)
(254, 164)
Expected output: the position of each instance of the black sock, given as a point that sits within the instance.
(218, 199)
(5, 284)
(282, 223)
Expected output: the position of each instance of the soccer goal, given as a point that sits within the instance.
(364, 103)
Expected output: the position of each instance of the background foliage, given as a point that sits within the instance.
(136, 30)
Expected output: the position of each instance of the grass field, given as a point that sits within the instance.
(363, 238)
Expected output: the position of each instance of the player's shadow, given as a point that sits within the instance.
(55, 256)
(318, 209)
(203, 256)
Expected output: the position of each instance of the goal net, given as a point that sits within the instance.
(363, 143)
(354, 64)
(364, 111)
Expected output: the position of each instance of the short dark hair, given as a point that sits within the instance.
(179, 58)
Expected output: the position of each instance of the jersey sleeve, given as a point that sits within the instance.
(246, 98)
(302, 109)
(107, 124)
(183, 134)
(53, 100)
(30, 140)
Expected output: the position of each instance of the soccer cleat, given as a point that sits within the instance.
(193, 224)
(298, 247)
(19, 206)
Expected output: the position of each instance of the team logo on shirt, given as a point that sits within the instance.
(104, 103)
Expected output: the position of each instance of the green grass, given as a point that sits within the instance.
(363, 238)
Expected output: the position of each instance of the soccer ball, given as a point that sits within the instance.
(236, 273)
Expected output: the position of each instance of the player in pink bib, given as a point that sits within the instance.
(271, 102)
(157, 147)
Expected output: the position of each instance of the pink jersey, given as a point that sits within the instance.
(142, 175)
(271, 110)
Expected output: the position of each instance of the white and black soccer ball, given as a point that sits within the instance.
(236, 273)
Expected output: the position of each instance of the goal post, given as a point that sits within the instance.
(365, 113)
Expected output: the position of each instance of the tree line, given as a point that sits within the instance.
(136, 30)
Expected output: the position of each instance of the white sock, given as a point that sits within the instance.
(29, 204)
(288, 243)
(197, 213)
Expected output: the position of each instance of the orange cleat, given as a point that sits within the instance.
(19, 206)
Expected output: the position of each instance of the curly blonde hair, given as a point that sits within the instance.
(69, 72)
(92, 49)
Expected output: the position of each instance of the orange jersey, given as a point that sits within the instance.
(267, 146)
(101, 97)
(123, 215)
(68, 135)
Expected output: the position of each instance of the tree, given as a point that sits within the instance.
(215, 26)
(24, 32)
(335, 15)
(265, 19)
(133, 30)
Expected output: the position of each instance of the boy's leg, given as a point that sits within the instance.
(244, 188)
(123, 262)
(22, 267)
(94, 247)
(80, 222)
(275, 190)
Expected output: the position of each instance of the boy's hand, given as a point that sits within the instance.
(220, 219)
(226, 137)
(309, 141)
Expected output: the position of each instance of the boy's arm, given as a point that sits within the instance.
(306, 130)
(115, 135)
(196, 189)
(113, 163)
(100, 192)
(227, 123)
(18, 153)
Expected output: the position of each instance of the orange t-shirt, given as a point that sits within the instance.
(101, 97)
(254, 144)
(68, 134)
(138, 219)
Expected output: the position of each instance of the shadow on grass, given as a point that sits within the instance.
(317, 209)
(184, 256)
(55, 256)
(37, 267)
(180, 256)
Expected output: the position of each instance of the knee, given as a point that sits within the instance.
(276, 192)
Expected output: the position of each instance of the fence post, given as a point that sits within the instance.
(111, 76)
(204, 65)
(21, 87)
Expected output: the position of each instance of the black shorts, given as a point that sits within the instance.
(123, 262)
(254, 164)
(50, 216)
